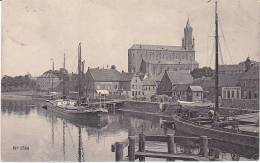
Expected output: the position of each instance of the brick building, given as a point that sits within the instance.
(102, 79)
(158, 58)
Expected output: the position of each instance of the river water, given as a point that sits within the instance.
(30, 133)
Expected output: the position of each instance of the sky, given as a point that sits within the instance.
(34, 31)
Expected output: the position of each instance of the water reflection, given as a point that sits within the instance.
(53, 138)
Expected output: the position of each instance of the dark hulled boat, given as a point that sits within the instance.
(248, 139)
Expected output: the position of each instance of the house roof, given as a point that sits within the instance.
(228, 80)
(225, 80)
(179, 77)
(149, 81)
(48, 74)
(252, 73)
(105, 74)
(157, 78)
(196, 88)
(157, 47)
(126, 76)
(231, 68)
(180, 87)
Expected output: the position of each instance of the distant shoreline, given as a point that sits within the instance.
(20, 95)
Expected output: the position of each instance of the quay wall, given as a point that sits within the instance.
(170, 109)
(142, 106)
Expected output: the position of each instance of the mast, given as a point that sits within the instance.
(63, 76)
(79, 146)
(63, 138)
(216, 59)
(52, 75)
(79, 70)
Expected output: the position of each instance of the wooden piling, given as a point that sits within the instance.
(131, 148)
(141, 146)
(171, 145)
(114, 108)
(119, 151)
(204, 149)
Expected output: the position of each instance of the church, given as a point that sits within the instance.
(156, 59)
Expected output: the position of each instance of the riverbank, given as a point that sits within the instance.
(21, 95)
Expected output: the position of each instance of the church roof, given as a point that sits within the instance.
(157, 47)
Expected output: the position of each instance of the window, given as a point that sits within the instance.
(228, 94)
(224, 94)
(255, 94)
(133, 93)
(139, 92)
(238, 94)
(197, 93)
(249, 95)
(233, 94)
(245, 94)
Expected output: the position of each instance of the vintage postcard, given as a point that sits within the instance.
(130, 80)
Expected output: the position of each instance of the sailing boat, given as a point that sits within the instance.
(75, 109)
(215, 128)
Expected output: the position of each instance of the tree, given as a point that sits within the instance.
(200, 72)
(113, 67)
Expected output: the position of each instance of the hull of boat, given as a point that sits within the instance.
(92, 119)
(217, 134)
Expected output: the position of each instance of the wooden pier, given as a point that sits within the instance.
(110, 105)
(171, 155)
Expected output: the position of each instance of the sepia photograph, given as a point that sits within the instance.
(130, 80)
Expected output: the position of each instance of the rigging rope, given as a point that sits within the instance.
(220, 52)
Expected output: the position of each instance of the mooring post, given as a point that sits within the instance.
(141, 146)
(171, 145)
(114, 108)
(119, 151)
(204, 149)
(131, 148)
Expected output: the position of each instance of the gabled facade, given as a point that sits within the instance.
(171, 79)
(194, 94)
(149, 87)
(102, 79)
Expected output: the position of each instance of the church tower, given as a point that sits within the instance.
(188, 40)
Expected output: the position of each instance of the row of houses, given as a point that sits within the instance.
(239, 87)
(139, 85)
